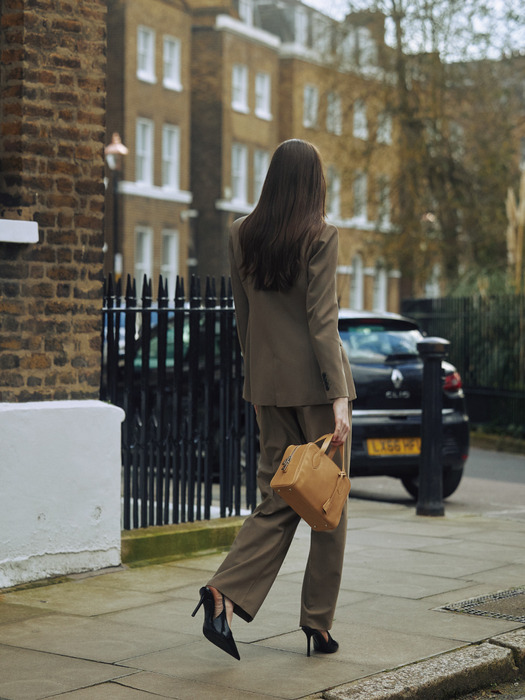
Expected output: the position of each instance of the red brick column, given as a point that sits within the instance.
(52, 115)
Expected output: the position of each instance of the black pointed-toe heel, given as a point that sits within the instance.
(320, 643)
(216, 630)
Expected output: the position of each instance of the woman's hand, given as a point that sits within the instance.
(342, 421)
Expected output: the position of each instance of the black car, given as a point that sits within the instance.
(386, 418)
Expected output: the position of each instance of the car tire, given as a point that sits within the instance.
(451, 480)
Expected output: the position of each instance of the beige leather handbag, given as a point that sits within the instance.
(312, 484)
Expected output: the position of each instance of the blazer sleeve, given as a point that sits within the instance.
(240, 298)
(322, 314)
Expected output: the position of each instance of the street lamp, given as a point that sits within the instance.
(114, 153)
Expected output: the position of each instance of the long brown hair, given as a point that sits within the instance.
(287, 219)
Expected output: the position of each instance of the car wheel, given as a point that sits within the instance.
(451, 480)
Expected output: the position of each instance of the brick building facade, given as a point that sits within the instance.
(52, 87)
(149, 106)
(235, 127)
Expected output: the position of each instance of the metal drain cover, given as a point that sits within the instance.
(503, 605)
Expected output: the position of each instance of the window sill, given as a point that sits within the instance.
(240, 108)
(266, 116)
(235, 206)
(172, 85)
(141, 189)
(147, 78)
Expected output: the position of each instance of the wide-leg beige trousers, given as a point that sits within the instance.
(254, 560)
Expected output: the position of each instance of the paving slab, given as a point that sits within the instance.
(108, 691)
(86, 638)
(381, 580)
(18, 613)
(32, 675)
(85, 597)
(182, 689)
(151, 579)
(261, 668)
(427, 563)
(366, 645)
(502, 576)
(474, 549)
(413, 616)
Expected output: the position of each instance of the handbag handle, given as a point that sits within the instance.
(327, 441)
(342, 474)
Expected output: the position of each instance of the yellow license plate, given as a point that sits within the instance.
(391, 447)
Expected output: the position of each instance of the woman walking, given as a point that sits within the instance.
(283, 259)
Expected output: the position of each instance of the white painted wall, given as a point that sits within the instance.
(60, 482)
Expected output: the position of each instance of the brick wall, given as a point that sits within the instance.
(52, 102)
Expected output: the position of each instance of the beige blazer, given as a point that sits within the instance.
(293, 355)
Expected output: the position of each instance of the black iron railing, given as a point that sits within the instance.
(189, 444)
(487, 345)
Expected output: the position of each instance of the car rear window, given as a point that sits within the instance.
(377, 342)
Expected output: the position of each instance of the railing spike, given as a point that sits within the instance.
(129, 289)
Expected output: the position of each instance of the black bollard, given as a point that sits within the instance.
(430, 497)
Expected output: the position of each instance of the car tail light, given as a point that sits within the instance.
(452, 382)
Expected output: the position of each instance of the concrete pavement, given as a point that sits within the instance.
(128, 633)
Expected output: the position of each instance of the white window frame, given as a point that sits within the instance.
(263, 96)
(310, 106)
(146, 54)
(246, 11)
(432, 285)
(384, 205)
(333, 182)
(360, 121)
(367, 51)
(261, 162)
(384, 128)
(171, 78)
(334, 114)
(143, 262)
(240, 88)
(144, 151)
(361, 196)
(347, 49)
(239, 173)
(322, 35)
(301, 26)
(380, 287)
(357, 284)
(171, 157)
(169, 258)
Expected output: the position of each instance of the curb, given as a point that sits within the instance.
(497, 660)
(164, 542)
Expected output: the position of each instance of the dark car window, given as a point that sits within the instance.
(372, 342)
(170, 343)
